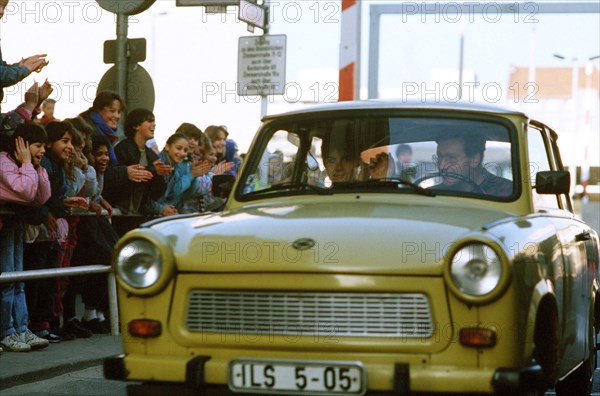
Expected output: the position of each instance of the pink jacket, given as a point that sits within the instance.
(25, 185)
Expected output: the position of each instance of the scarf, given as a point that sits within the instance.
(108, 132)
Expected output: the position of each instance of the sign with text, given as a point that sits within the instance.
(261, 65)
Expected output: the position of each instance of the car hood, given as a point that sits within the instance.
(363, 237)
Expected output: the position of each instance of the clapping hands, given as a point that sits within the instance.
(138, 174)
(36, 94)
(200, 168)
(34, 63)
(162, 169)
(223, 167)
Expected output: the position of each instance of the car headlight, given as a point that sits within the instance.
(139, 263)
(476, 272)
(143, 262)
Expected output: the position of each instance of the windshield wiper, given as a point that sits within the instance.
(387, 182)
(290, 185)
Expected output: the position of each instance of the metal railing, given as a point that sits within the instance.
(21, 276)
(26, 275)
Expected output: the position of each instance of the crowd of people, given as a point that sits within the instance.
(62, 182)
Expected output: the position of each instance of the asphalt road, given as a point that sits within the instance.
(90, 382)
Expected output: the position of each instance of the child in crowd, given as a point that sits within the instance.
(23, 181)
(179, 180)
(139, 128)
(195, 138)
(48, 109)
(199, 197)
(81, 181)
(135, 194)
(95, 242)
(226, 149)
(45, 252)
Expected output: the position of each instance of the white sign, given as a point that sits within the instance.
(261, 65)
(206, 3)
(252, 14)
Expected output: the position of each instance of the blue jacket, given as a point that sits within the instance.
(10, 74)
(177, 182)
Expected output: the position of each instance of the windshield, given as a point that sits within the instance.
(444, 156)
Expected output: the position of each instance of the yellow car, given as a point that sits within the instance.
(370, 247)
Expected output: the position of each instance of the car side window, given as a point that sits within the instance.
(538, 161)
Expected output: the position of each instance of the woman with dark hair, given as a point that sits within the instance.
(24, 181)
(44, 252)
(225, 148)
(96, 239)
(104, 116)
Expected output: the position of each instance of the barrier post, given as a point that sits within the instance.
(113, 304)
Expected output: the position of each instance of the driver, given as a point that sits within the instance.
(461, 156)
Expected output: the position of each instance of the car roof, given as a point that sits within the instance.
(391, 104)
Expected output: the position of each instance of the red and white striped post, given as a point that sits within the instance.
(349, 76)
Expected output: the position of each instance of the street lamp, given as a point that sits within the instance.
(585, 166)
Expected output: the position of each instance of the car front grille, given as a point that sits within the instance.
(312, 314)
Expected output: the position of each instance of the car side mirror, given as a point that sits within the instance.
(222, 185)
(552, 182)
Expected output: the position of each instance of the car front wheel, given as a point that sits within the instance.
(579, 382)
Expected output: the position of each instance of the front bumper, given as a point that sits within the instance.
(404, 377)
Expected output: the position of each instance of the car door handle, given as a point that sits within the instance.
(584, 236)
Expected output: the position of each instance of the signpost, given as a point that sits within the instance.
(127, 78)
(135, 50)
(252, 14)
(261, 65)
(130, 7)
(211, 6)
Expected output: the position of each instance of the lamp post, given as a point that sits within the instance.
(154, 16)
(461, 57)
(585, 165)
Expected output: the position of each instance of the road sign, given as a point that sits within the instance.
(261, 65)
(209, 3)
(135, 50)
(130, 7)
(140, 89)
(252, 13)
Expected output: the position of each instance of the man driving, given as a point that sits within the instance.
(459, 158)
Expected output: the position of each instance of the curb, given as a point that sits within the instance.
(47, 373)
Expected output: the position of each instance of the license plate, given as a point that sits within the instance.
(296, 377)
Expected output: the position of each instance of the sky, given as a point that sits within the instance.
(192, 56)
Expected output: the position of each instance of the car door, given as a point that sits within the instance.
(573, 281)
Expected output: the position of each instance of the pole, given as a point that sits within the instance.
(122, 55)
(587, 106)
(154, 17)
(575, 137)
(461, 64)
(264, 100)
(121, 64)
(531, 69)
(349, 51)
(113, 304)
